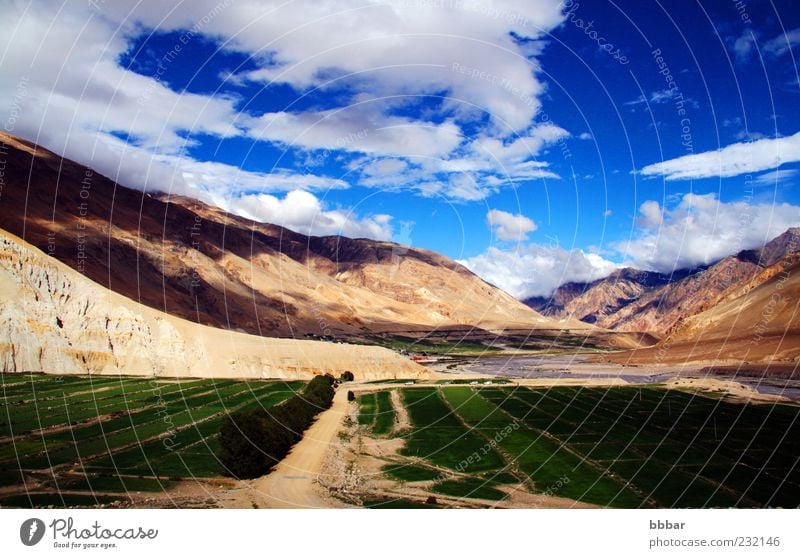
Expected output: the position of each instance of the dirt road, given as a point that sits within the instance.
(292, 483)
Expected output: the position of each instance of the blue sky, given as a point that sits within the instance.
(535, 141)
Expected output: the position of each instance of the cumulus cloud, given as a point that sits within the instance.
(83, 113)
(75, 98)
(405, 51)
(476, 170)
(357, 128)
(701, 230)
(509, 227)
(650, 214)
(698, 230)
(303, 212)
(536, 270)
(732, 160)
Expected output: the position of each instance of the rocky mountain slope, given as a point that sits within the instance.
(194, 261)
(755, 321)
(54, 319)
(632, 300)
(596, 301)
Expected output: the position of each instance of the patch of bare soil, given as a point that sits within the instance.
(353, 472)
(729, 389)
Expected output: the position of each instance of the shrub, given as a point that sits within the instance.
(347, 376)
(351, 396)
(253, 442)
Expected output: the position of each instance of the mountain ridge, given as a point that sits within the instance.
(624, 301)
(186, 258)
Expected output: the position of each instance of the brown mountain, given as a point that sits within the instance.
(595, 302)
(632, 300)
(755, 321)
(197, 262)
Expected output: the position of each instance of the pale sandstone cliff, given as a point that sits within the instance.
(55, 320)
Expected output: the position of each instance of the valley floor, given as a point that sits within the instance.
(571, 433)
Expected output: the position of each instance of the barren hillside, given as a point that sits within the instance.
(54, 319)
(191, 260)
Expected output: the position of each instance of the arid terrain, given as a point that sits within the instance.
(191, 260)
(453, 393)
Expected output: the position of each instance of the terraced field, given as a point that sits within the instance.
(619, 447)
(79, 440)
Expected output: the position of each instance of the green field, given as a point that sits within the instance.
(74, 438)
(620, 447)
(377, 412)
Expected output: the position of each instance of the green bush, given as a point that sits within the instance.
(253, 442)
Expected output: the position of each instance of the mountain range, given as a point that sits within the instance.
(171, 260)
(198, 262)
(634, 300)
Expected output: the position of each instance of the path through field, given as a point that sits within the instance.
(291, 484)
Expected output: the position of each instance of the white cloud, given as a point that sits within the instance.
(732, 160)
(506, 153)
(775, 177)
(73, 97)
(744, 45)
(224, 179)
(303, 212)
(783, 43)
(650, 214)
(476, 171)
(80, 100)
(358, 128)
(701, 230)
(308, 43)
(509, 227)
(536, 270)
(405, 51)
